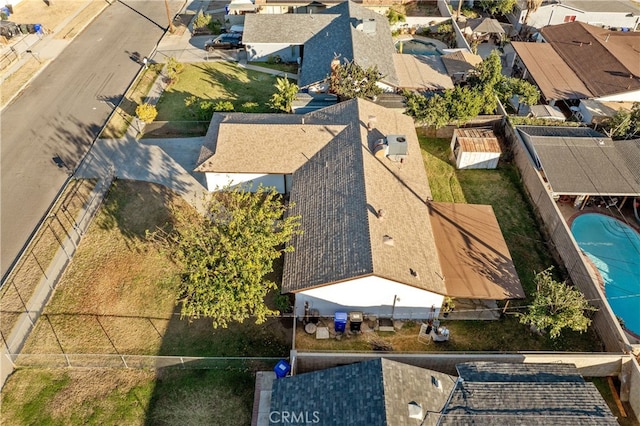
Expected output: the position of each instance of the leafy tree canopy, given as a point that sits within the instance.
(146, 112)
(498, 7)
(624, 124)
(226, 254)
(350, 80)
(557, 306)
(286, 93)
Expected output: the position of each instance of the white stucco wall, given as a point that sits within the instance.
(260, 52)
(631, 96)
(555, 14)
(372, 295)
(477, 160)
(216, 181)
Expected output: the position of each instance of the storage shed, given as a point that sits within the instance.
(475, 149)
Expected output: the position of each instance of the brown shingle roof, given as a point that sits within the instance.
(474, 256)
(606, 61)
(551, 74)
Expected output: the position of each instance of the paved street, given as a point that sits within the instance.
(63, 109)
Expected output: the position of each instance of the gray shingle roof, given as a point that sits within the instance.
(608, 6)
(369, 393)
(524, 394)
(583, 165)
(285, 28)
(630, 151)
(338, 185)
(338, 193)
(340, 37)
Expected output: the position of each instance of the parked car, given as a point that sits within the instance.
(224, 41)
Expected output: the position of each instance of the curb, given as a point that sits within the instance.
(42, 68)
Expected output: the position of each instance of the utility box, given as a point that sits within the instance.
(340, 322)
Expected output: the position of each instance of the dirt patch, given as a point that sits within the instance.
(49, 16)
(85, 17)
(15, 81)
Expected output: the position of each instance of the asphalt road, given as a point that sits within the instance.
(63, 109)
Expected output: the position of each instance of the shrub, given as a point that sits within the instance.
(146, 112)
(249, 106)
(202, 20)
(223, 106)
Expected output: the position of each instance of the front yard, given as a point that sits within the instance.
(247, 90)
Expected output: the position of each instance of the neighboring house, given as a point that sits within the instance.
(580, 61)
(580, 162)
(595, 112)
(355, 173)
(384, 392)
(348, 32)
(618, 14)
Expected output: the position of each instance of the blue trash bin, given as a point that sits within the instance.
(37, 28)
(281, 369)
(340, 322)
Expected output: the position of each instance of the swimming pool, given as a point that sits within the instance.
(614, 248)
(417, 47)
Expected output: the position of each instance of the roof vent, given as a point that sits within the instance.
(397, 147)
(600, 142)
(372, 122)
(380, 214)
(388, 240)
(436, 383)
(415, 410)
(413, 272)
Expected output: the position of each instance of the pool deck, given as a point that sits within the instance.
(437, 43)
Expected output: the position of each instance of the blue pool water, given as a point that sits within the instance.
(614, 247)
(417, 47)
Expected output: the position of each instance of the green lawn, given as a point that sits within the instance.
(127, 397)
(247, 90)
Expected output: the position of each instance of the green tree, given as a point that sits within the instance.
(498, 7)
(393, 16)
(463, 104)
(624, 124)
(146, 112)
(557, 306)
(202, 19)
(286, 93)
(226, 254)
(350, 80)
(174, 68)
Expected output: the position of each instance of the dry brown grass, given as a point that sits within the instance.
(18, 79)
(37, 11)
(116, 282)
(91, 396)
(31, 268)
(85, 17)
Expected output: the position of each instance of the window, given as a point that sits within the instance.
(569, 18)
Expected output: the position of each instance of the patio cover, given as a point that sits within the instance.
(474, 257)
(585, 166)
(242, 6)
(421, 72)
(555, 79)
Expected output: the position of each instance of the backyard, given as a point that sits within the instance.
(501, 189)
